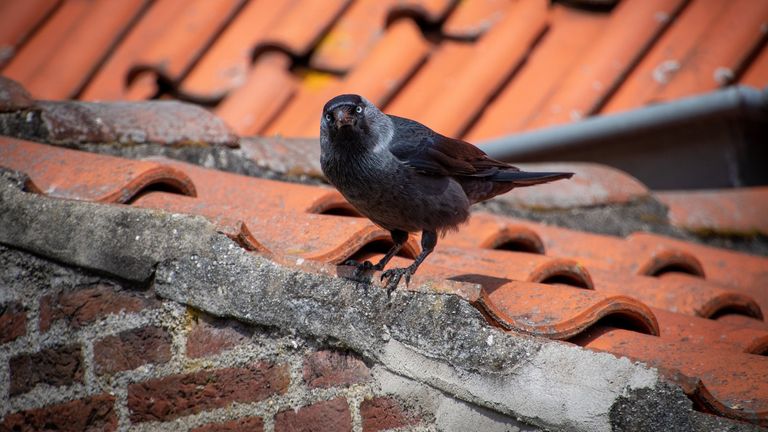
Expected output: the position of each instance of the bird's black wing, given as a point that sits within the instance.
(430, 153)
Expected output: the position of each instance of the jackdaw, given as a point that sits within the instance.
(407, 178)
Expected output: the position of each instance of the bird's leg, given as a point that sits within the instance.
(393, 276)
(398, 238)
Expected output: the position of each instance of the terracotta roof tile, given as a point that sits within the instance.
(739, 320)
(431, 80)
(362, 25)
(377, 78)
(629, 32)
(524, 307)
(747, 274)
(565, 62)
(729, 211)
(571, 34)
(690, 57)
(512, 265)
(27, 15)
(226, 65)
(641, 254)
(717, 61)
(266, 89)
(473, 18)
(288, 233)
(756, 74)
(70, 45)
(592, 184)
(679, 293)
(251, 194)
(713, 334)
(728, 383)
(301, 28)
(114, 80)
(495, 56)
(72, 174)
(183, 41)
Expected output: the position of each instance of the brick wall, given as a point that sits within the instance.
(78, 352)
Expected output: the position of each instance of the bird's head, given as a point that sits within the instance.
(351, 119)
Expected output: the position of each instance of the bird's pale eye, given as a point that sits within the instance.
(327, 117)
(359, 109)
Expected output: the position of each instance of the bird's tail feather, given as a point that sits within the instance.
(523, 178)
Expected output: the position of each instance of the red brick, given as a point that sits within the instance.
(333, 368)
(248, 424)
(210, 336)
(86, 305)
(330, 416)
(131, 349)
(96, 413)
(13, 322)
(57, 366)
(179, 395)
(384, 413)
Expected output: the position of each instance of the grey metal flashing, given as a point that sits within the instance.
(712, 140)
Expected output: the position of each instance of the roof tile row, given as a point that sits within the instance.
(265, 66)
(646, 296)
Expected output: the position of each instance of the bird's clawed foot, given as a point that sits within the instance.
(361, 268)
(394, 275)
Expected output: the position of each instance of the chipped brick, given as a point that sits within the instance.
(96, 413)
(86, 305)
(57, 366)
(179, 395)
(210, 336)
(131, 349)
(248, 424)
(333, 368)
(13, 322)
(331, 416)
(384, 413)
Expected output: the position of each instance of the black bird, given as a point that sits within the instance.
(406, 178)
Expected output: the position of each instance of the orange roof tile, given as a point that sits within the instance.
(473, 18)
(728, 383)
(514, 65)
(756, 74)
(730, 211)
(572, 32)
(496, 55)
(183, 41)
(592, 184)
(301, 27)
(73, 174)
(523, 306)
(27, 15)
(362, 25)
(114, 79)
(266, 90)
(376, 78)
(629, 32)
(226, 65)
(69, 46)
(703, 49)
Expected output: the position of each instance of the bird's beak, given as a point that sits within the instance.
(343, 118)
